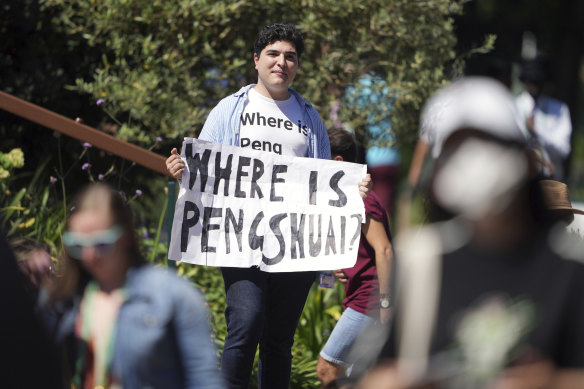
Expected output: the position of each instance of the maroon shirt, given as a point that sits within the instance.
(362, 287)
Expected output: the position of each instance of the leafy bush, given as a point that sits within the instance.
(165, 64)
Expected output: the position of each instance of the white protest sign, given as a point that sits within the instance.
(239, 207)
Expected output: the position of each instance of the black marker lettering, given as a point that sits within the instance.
(222, 174)
(312, 184)
(187, 223)
(256, 241)
(330, 239)
(314, 247)
(197, 164)
(296, 235)
(343, 226)
(243, 162)
(258, 171)
(277, 170)
(334, 184)
(237, 228)
(208, 213)
(357, 230)
(275, 227)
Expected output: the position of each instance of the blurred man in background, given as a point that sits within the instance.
(545, 118)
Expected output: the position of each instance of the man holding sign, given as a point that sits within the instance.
(263, 220)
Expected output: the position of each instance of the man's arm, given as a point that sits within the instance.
(377, 237)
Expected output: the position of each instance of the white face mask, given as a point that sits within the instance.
(479, 178)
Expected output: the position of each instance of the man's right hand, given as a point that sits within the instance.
(175, 165)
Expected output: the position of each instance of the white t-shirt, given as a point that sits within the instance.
(273, 125)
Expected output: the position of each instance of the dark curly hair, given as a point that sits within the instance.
(343, 143)
(279, 32)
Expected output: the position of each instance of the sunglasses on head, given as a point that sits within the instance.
(101, 241)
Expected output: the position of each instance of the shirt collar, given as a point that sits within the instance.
(244, 90)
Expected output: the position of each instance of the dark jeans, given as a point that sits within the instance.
(262, 308)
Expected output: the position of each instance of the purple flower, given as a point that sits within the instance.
(145, 234)
(85, 166)
(99, 102)
(72, 209)
(52, 180)
(100, 177)
(158, 139)
(138, 192)
(87, 145)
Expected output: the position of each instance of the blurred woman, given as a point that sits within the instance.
(131, 325)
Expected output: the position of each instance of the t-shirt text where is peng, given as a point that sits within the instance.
(273, 125)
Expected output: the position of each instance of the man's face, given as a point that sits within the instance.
(276, 66)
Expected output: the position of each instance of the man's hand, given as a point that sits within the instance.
(365, 186)
(341, 276)
(175, 165)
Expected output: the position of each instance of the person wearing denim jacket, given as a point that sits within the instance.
(162, 339)
(128, 324)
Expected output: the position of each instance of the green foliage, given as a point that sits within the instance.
(164, 64)
(322, 310)
(35, 203)
(24, 208)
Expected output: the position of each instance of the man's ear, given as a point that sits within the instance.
(338, 158)
(256, 58)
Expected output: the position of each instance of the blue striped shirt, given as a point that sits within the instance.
(222, 124)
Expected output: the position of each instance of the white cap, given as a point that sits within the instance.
(480, 103)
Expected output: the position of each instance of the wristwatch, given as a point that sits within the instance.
(384, 302)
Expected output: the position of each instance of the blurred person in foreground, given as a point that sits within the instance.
(131, 325)
(483, 298)
(367, 289)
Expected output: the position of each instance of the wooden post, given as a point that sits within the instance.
(84, 133)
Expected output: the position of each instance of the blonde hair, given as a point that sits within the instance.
(98, 198)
